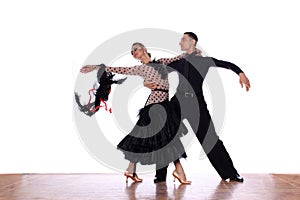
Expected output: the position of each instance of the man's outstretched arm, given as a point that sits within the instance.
(228, 65)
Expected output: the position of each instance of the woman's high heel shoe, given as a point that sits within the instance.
(176, 176)
(133, 177)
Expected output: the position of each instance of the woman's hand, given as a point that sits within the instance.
(198, 52)
(244, 80)
(149, 84)
(88, 68)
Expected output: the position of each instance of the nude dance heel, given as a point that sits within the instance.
(133, 177)
(176, 176)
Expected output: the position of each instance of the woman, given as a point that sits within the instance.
(146, 143)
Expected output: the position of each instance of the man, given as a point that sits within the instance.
(193, 69)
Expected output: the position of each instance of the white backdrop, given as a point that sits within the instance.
(43, 46)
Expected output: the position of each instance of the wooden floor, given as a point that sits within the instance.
(113, 186)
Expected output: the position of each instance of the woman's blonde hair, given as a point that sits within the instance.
(141, 45)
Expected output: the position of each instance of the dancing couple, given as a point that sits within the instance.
(155, 138)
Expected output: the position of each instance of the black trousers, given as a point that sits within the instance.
(194, 109)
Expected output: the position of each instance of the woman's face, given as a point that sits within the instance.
(137, 51)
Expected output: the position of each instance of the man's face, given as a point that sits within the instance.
(186, 42)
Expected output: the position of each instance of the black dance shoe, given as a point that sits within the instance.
(236, 178)
(158, 180)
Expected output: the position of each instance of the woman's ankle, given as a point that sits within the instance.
(181, 174)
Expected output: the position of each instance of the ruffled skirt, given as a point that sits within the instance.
(155, 138)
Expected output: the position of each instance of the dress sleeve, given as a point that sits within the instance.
(135, 70)
(226, 65)
(167, 61)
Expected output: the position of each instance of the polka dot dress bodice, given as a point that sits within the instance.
(147, 72)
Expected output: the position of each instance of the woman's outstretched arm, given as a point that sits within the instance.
(135, 70)
(167, 61)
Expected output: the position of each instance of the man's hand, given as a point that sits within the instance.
(87, 68)
(244, 81)
(149, 84)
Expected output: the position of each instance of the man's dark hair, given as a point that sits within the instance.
(193, 36)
